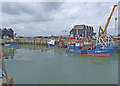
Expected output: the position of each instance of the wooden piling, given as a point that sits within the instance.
(33, 41)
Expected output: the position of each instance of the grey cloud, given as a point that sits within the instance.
(15, 8)
(50, 18)
(49, 6)
(29, 12)
(46, 11)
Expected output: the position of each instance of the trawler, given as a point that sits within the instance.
(103, 47)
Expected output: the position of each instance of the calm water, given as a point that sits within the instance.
(35, 64)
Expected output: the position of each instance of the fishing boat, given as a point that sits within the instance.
(11, 43)
(103, 47)
(104, 43)
(7, 44)
(52, 43)
(74, 47)
(14, 43)
(96, 51)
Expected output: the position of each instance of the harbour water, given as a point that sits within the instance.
(37, 64)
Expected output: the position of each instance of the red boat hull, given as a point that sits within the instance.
(98, 55)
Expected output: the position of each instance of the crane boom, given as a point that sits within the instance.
(101, 31)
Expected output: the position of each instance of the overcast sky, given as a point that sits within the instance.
(50, 18)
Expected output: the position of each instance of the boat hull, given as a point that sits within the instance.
(112, 48)
(50, 45)
(72, 50)
(100, 51)
(13, 43)
(98, 55)
(7, 45)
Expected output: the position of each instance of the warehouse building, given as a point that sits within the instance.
(82, 30)
(6, 33)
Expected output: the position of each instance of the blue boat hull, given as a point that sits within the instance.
(50, 45)
(13, 43)
(104, 51)
(114, 50)
(72, 50)
(111, 49)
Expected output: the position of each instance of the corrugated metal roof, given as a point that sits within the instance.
(79, 26)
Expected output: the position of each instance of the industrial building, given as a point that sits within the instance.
(6, 33)
(82, 30)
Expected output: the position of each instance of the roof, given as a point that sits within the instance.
(86, 26)
(9, 29)
(4, 29)
(79, 26)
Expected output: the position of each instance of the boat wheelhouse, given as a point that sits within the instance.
(74, 47)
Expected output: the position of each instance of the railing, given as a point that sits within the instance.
(104, 42)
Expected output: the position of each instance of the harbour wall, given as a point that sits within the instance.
(44, 41)
(28, 41)
(40, 41)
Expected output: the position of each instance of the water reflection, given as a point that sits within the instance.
(33, 47)
(41, 63)
(93, 60)
(9, 52)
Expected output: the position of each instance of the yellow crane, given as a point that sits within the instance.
(101, 31)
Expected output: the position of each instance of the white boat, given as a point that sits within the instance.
(52, 43)
(6, 44)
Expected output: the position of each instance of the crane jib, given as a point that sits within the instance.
(101, 31)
